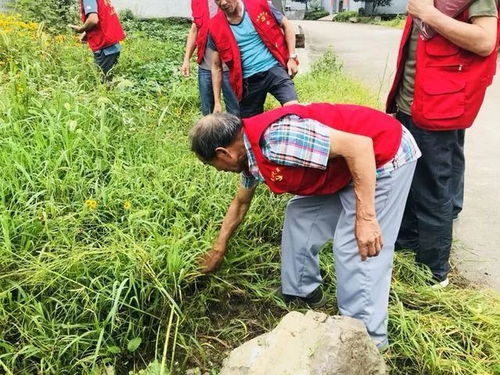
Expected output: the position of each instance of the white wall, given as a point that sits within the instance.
(328, 5)
(353, 5)
(156, 8)
(332, 6)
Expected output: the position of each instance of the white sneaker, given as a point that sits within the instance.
(442, 284)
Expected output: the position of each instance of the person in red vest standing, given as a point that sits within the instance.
(257, 43)
(202, 11)
(438, 90)
(102, 31)
(350, 168)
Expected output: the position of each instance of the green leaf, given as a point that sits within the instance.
(134, 344)
(115, 349)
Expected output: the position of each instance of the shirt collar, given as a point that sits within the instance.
(253, 169)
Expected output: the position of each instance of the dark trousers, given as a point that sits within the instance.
(275, 81)
(106, 63)
(436, 190)
(458, 174)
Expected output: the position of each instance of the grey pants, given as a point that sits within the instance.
(362, 287)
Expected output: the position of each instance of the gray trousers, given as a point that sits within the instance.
(362, 287)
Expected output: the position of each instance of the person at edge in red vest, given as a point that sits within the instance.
(257, 43)
(438, 90)
(102, 30)
(350, 168)
(202, 11)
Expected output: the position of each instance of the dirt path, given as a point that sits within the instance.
(369, 54)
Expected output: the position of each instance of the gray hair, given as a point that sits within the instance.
(213, 131)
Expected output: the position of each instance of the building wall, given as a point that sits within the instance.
(328, 5)
(334, 6)
(352, 5)
(155, 8)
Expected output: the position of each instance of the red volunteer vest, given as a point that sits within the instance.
(450, 82)
(384, 130)
(269, 30)
(108, 31)
(201, 17)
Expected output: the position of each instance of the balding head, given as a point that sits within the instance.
(214, 131)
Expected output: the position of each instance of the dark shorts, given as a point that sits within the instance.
(106, 62)
(275, 81)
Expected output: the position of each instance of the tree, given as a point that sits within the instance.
(375, 4)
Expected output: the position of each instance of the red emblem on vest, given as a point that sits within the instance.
(263, 17)
(276, 176)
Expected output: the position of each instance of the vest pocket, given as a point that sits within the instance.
(443, 99)
(198, 21)
(225, 51)
(440, 47)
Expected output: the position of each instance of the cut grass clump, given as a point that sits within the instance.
(104, 211)
(449, 331)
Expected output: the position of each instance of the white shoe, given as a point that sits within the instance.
(441, 284)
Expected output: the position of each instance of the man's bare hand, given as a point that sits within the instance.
(75, 28)
(293, 67)
(369, 238)
(83, 37)
(211, 261)
(217, 108)
(185, 69)
(421, 9)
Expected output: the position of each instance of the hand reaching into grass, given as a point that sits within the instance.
(211, 261)
(75, 28)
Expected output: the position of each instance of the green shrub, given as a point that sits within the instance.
(345, 16)
(56, 14)
(127, 15)
(396, 22)
(316, 14)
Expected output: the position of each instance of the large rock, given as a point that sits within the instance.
(310, 344)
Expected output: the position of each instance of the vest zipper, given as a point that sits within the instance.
(458, 67)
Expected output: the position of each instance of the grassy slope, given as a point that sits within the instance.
(104, 210)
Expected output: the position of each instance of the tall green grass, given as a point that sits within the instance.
(103, 212)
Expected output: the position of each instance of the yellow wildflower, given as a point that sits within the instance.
(91, 204)
(127, 205)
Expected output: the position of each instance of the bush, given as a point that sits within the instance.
(316, 14)
(127, 15)
(56, 14)
(345, 16)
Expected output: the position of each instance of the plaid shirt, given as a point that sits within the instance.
(299, 142)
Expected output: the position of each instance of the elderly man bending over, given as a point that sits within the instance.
(350, 167)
